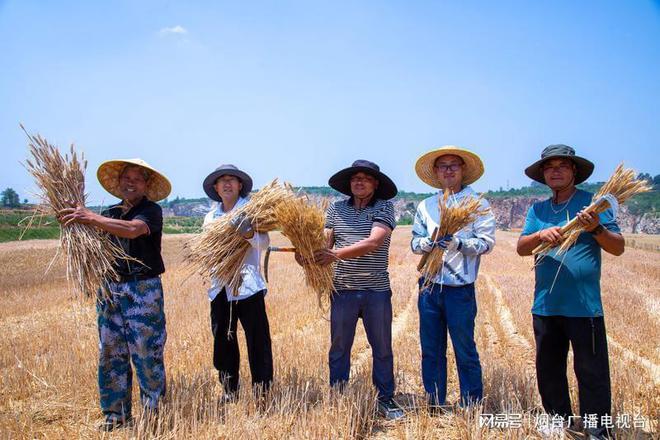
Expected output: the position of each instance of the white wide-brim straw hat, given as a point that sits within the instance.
(158, 186)
(473, 170)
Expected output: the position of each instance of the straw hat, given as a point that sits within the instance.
(158, 186)
(474, 167)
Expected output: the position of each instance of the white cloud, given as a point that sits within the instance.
(174, 30)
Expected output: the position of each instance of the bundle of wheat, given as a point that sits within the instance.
(220, 250)
(303, 222)
(90, 252)
(454, 216)
(622, 185)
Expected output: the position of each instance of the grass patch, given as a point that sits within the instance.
(12, 224)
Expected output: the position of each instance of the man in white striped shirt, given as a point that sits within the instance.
(358, 231)
(449, 302)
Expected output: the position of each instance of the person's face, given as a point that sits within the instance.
(558, 173)
(449, 170)
(228, 187)
(363, 185)
(132, 184)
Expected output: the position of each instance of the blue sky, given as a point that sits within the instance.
(299, 89)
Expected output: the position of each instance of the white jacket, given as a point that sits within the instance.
(460, 267)
(253, 282)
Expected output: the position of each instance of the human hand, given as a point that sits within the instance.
(447, 242)
(551, 235)
(302, 261)
(243, 226)
(588, 219)
(323, 257)
(78, 214)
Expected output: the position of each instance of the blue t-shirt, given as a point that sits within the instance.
(576, 273)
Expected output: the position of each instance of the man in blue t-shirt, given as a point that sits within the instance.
(567, 305)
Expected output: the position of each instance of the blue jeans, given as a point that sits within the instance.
(375, 309)
(443, 308)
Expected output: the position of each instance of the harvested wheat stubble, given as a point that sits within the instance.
(303, 222)
(90, 253)
(454, 216)
(622, 185)
(220, 251)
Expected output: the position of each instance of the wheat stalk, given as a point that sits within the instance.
(220, 251)
(303, 223)
(90, 252)
(622, 185)
(454, 216)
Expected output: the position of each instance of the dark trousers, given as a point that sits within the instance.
(226, 357)
(450, 309)
(588, 339)
(375, 309)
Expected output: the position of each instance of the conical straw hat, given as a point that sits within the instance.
(158, 186)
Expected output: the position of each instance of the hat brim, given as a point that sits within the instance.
(341, 181)
(584, 168)
(158, 186)
(209, 183)
(473, 170)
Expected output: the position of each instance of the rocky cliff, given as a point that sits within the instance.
(510, 214)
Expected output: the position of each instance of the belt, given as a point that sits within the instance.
(138, 277)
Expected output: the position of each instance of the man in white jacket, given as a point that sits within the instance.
(448, 303)
(230, 187)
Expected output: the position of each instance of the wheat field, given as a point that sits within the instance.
(48, 354)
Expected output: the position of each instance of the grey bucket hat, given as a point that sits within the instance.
(222, 170)
(584, 168)
(341, 181)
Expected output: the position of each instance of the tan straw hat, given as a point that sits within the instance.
(158, 186)
(474, 167)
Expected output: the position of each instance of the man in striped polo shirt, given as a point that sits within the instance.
(358, 231)
(448, 304)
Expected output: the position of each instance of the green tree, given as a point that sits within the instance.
(10, 199)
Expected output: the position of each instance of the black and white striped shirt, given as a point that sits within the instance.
(350, 225)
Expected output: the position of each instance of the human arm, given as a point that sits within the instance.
(483, 239)
(610, 241)
(121, 228)
(379, 232)
(421, 242)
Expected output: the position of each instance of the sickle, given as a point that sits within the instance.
(274, 249)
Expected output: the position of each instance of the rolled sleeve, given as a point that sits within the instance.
(531, 222)
(152, 216)
(330, 216)
(607, 220)
(385, 215)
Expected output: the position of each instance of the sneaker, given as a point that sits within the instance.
(390, 409)
(574, 433)
(596, 434)
(111, 424)
(438, 410)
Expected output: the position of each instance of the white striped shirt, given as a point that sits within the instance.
(350, 225)
(460, 267)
